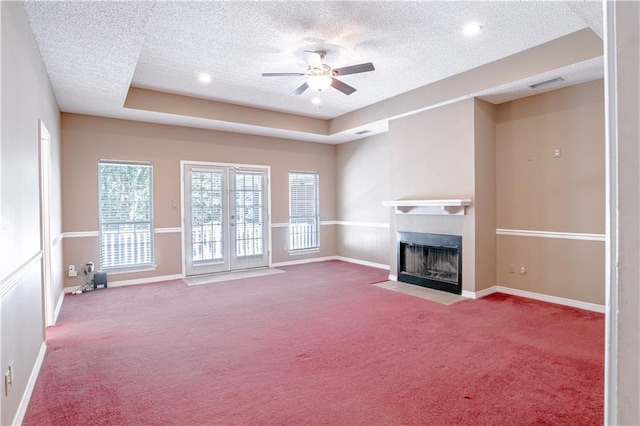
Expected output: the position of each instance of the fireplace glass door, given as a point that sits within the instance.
(439, 263)
(430, 260)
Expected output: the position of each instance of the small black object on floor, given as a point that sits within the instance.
(99, 278)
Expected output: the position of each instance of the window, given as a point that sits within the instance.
(304, 216)
(125, 209)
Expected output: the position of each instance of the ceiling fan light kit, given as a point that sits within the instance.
(321, 76)
(319, 82)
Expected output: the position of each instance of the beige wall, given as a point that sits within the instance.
(556, 267)
(432, 153)
(87, 139)
(362, 170)
(538, 192)
(26, 98)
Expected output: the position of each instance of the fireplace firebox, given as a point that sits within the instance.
(430, 260)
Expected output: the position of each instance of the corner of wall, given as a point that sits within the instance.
(485, 193)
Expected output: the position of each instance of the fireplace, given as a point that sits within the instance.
(430, 260)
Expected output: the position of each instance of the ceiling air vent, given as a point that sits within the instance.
(547, 82)
(362, 132)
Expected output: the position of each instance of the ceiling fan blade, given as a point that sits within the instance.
(343, 87)
(354, 69)
(282, 74)
(304, 86)
(314, 59)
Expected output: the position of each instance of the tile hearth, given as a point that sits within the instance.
(437, 296)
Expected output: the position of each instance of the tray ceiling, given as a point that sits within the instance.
(95, 51)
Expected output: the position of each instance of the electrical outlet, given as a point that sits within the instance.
(557, 153)
(512, 268)
(523, 269)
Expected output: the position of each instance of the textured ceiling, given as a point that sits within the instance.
(93, 51)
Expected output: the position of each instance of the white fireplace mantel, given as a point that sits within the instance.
(444, 207)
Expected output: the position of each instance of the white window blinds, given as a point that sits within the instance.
(304, 214)
(125, 209)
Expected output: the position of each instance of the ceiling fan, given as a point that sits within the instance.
(320, 76)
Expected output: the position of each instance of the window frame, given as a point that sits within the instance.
(315, 220)
(126, 267)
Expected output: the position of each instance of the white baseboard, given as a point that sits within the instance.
(26, 396)
(148, 280)
(468, 294)
(136, 281)
(479, 294)
(326, 258)
(56, 311)
(303, 261)
(486, 292)
(531, 295)
(363, 262)
(552, 299)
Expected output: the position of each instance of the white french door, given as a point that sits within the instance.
(225, 218)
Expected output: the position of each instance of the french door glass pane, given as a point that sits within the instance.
(206, 216)
(248, 214)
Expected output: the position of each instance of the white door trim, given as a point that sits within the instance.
(184, 163)
(45, 224)
(611, 226)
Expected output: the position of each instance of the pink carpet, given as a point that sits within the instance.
(317, 345)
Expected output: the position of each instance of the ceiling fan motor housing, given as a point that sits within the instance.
(325, 70)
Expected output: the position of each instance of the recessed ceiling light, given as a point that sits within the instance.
(471, 29)
(204, 78)
(316, 101)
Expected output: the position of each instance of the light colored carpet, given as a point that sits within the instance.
(437, 296)
(234, 275)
